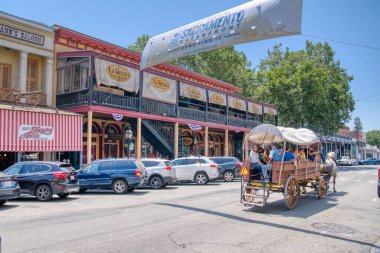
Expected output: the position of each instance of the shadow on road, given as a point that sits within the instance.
(210, 184)
(110, 192)
(265, 223)
(7, 206)
(307, 205)
(35, 200)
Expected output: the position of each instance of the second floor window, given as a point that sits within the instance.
(5, 75)
(73, 78)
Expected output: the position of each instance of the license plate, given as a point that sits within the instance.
(7, 184)
(72, 177)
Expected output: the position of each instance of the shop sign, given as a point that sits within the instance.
(255, 108)
(21, 35)
(217, 98)
(237, 103)
(193, 92)
(159, 88)
(116, 75)
(187, 141)
(38, 133)
(270, 111)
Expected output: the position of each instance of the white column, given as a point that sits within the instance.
(226, 142)
(138, 140)
(23, 70)
(49, 81)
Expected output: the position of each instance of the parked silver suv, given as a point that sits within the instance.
(160, 172)
(199, 169)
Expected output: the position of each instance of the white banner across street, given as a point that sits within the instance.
(252, 21)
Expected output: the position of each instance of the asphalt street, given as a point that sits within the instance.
(192, 218)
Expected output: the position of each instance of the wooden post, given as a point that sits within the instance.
(206, 140)
(246, 148)
(226, 142)
(138, 140)
(176, 140)
(89, 136)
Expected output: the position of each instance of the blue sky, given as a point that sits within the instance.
(121, 22)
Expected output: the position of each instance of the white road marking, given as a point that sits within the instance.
(371, 181)
(374, 200)
(343, 179)
(357, 180)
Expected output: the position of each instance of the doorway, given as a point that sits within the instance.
(110, 150)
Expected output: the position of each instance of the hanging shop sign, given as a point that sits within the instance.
(255, 108)
(187, 141)
(252, 21)
(193, 92)
(37, 133)
(116, 75)
(21, 35)
(159, 88)
(237, 103)
(217, 98)
(270, 111)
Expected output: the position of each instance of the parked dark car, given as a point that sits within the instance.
(9, 188)
(120, 175)
(372, 161)
(362, 162)
(229, 167)
(43, 179)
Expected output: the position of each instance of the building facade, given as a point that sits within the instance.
(30, 129)
(170, 111)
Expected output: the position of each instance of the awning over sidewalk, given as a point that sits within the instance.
(39, 130)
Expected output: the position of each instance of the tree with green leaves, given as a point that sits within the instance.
(358, 126)
(373, 138)
(310, 87)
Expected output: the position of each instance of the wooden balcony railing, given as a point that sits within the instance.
(27, 97)
(188, 113)
(157, 108)
(103, 98)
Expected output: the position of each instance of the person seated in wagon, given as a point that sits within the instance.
(257, 164)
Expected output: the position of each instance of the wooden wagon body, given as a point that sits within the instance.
(286, 176)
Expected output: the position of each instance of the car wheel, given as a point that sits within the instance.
(44, 192)
(156, 182)
(120, 186)
(228, 176)
(82, 190)
(2, 202)
(201, 178)
(63, 195)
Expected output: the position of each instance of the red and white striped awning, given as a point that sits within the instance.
(34, 131)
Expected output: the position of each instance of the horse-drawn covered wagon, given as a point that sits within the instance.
(287, 177)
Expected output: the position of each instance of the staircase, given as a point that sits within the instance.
(161, 136)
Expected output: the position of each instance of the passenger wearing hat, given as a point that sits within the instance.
(276, 153)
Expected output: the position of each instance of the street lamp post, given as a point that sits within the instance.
(128, 134)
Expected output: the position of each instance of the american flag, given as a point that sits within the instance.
(195, 127)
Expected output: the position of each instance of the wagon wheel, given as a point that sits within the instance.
(321, 187)
(249, 198)
(291, 192)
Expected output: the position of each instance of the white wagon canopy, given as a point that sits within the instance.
(268, 134)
